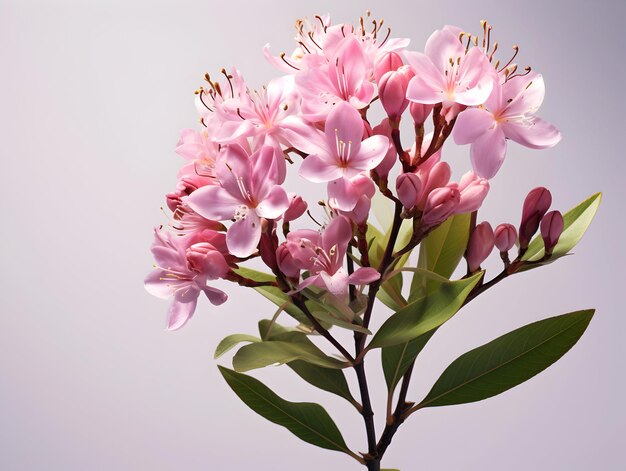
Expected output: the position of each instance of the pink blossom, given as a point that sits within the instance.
(344, 78)
(480, 245)
(473, 192)
(505, 236)
(339, 157)
(248, 190)
(183, 267)
(297, 207)
(441, 203)
(392, 91)
(323, 255)
(448, 73)
(509, 113)
(409, 189)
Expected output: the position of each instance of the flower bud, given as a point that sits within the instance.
(437, 177)
(297, 207)
(392, 91)
(536, 205)
(480, 246)
(440, 204)
(286, 262)
(387, 63)
(473, 192)
(505, 236)
(420, 112)
(551, 228)
(266, 247)
(383, 168)
(409, 189)
(204, 258)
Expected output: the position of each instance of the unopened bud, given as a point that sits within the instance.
(420, 112)
(286, 262)
(437, 177)
(388, 62)
(297, 207)
(551, 229)
(473, 192)
(536, 205)
(505, 236)
(480, 246)
(440, 204)
(266, 247)
(206, 259)
(392, 91)
(409, 189)
(383, 168)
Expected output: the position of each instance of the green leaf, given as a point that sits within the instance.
(229, 342)
(274, 294)
(261, 354)
(309, 422)
(324, 313)
(576, 221)
(397, 359)
(508, 360)
(424, 314)
(326, 379)
(444, 247)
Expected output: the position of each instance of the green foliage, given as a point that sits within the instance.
(308, 421)
(508, 360)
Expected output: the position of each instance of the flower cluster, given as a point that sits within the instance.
(231, 204)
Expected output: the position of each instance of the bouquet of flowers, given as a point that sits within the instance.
(327, 265)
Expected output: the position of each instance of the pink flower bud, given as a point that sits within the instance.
(383, 168)
(473, 192)
(440, 204)
(297, 207)
(551, 228)
(480, 246)
(386, 63)
(505, 237)
(536, 205)
(409, 189)
(286, 262)
(392, 91)
(204, 258)
(420, 112)
(266, 247)
(437, 177)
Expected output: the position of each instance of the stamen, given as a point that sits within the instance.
(386, 37)
(324, 27)
(313, 40)
(516, 49)
(228, 77)
(304, 46)
(282, 56)
(495, 48)
(308, 211)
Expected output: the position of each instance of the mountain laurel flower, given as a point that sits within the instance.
(182, 270)
(509, 113)
(480, 245)
(448, 73)
(248, 190)
(505, 236)
(323, 255)
(536, 204)
(441, 203)
(338, 156)
(392, 91)
(551, 229)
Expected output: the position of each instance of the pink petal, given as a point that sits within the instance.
(526, 94)
(471, 124)
(442, 46)
(243, 236)
(337, 284)
(231, 131)
(156, 285)
(344, 123)
(338, 233)
(363, 276)
(233, 169)
(275, 203)
(535, 133)
(213, 202)
(317, 169)
(487, 153)
(477, 77)
(371, 153)
(182, 308)
(344, 193)
(216, 296)
(427, 86)
(264, 171)
(304, 136)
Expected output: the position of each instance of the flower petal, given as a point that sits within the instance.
(535, 133)
(344, 193)
(216, 296)
(345, 124)
(471, 124)
(275, 203)
(337, 284)
(317, 169)
(487, 152)
(243, 236)
(372, 151)
(213, 202)
(363, 276)
(442, 46)
(182, 308)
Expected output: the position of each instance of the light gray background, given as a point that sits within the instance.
(93, 98)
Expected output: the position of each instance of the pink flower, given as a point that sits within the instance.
(480, 246)
(441, 203)
(183, 267)
(323, 255)
(509, 113)
(344, 78)
(338, 156)
(409, 189)
(248, 190)
(297, 207)
(392, 91)
(473, 192)
(447, 73)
